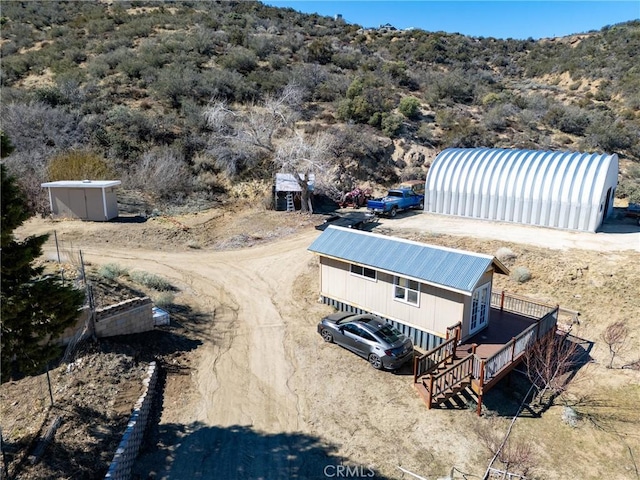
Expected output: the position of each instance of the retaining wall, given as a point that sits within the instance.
(125, 456)
(124, 318)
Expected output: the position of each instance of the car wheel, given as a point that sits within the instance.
(421, 206)
(326, 335)
(394, 212)
(375, 361)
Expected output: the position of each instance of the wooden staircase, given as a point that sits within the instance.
(446, 381)
(439, 375)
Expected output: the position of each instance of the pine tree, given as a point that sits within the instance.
(35, 308)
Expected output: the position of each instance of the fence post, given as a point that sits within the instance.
(502, 300)
(513, 348)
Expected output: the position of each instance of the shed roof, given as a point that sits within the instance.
(82, 184)
(286, 182)
(452, 269)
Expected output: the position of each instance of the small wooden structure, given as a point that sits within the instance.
(94, 200)
(287, 193)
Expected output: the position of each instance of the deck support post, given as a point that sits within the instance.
(480, 389)
(502, 301)
(513, 347)
(479, 409)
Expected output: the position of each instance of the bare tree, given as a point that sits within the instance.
(264, 138)
(615, 336)
(162, 171)
(514, 453)
(548, 364)
(301, 157)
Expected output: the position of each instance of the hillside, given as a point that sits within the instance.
(126, 86)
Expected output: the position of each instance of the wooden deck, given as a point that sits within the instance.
(515, 325)
(503, 327)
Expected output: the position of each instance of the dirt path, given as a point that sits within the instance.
(245, 367)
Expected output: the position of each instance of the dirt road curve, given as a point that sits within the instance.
(245, 368)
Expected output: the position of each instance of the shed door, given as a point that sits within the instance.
(480, 304)
(78, 202)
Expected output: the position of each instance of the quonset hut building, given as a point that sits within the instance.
(552, 189)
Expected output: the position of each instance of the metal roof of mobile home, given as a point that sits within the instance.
(453, 269)
(553, 189)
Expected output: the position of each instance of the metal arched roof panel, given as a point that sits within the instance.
(553, 189)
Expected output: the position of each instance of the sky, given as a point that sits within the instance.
(499, 19)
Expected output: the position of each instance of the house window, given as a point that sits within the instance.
(363, 272)
(405, 290)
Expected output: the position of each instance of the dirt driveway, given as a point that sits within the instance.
(267, 399)
(614, 236)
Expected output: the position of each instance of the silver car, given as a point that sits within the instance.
(370, 337)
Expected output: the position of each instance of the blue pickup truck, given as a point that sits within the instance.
(397, 199)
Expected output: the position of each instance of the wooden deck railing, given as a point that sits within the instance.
(513, 303)
(482, 372)
(435, 357)
(518, 346)
(449, 379)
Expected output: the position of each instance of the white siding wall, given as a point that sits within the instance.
(437, 310)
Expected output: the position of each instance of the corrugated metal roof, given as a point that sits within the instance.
(547, 188)
(453, 269)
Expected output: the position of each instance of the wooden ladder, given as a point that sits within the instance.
(290, 206)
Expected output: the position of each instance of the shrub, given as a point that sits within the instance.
(151, 280)
(164, 299)
(390, 124)
(79, 165)
(409, 107)
(240, 59)
(163, 172)
(111, 271)
(521, 274)
(505, 254)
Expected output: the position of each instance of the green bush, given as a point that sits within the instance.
(409, 107)
(112, 271)
(240, 59)
(151, 280)
(390, 124)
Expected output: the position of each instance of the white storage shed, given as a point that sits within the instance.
(552, 189)
(84, 199)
